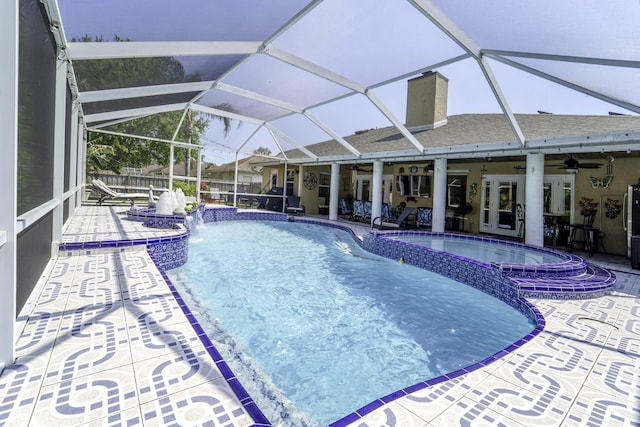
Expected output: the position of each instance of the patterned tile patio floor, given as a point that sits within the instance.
(107, 343)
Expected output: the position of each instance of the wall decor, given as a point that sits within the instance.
(613, 208)
(310, 180)
(604, 182)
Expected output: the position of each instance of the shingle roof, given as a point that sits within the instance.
(470, 129)
(245, 164)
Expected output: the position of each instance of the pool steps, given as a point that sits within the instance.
(592, 282)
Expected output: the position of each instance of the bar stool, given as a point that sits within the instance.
(520, 217)
(588, 233)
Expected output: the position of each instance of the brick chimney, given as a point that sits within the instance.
(427, 101)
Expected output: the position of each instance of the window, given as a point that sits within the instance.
(291, 176)
(324, 185)
(456, 190)
(558, 194)
(413, 185)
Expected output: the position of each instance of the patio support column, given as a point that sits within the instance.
(376, 190)
(534, 200)
(82, 162)
(8, 175)
(439, 195)
(235, 182)
(333, 192)
(59, 130)
(73, 176)
(198, 176)
(171, 160)
(300, 180)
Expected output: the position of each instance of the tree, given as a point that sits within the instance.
(262, 151)
(113, 152)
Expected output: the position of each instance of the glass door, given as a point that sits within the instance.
(485, 221)
(507, 201)
(558, 194)
(501, 195)
(558, 200)
(363, 187)
(363, 191)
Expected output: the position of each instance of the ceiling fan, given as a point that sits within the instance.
(358, 169)
(571, 165)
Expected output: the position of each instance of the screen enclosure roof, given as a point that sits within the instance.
(292, 74)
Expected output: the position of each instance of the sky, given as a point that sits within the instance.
(369, 42)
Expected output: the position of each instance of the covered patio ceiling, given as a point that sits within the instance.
(299, 72)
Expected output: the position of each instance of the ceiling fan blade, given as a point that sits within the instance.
(590, 165)
(359, 169)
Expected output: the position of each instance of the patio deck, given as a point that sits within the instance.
(108, 343)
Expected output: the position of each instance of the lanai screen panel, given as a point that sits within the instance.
(529, 94)
(571, 33)
(243, 105)
(36, 97)
(274, 78)
(613, 81)
(185, 20)
(137, 102)
(588, 28)
(36, 100)
(368, 41)
(115, 73)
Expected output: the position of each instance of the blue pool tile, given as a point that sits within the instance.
(370, 407)
(415, 387)
(345, 421)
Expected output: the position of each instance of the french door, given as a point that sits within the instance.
(363, 187)
(501, 194)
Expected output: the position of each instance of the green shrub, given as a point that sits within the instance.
(187, 188)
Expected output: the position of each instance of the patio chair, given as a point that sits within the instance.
(107, 193)
(398, 223)
(424, 217)
(345, 209)
(367, 209)
(293, 205)
(386, 213)
(358, 210)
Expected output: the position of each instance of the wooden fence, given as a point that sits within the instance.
(132, 183)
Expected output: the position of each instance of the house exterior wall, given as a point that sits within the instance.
(610, 222)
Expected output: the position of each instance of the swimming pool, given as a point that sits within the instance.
(313, 344)
(483, 250)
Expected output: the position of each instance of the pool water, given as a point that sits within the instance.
(315, 327)
(484, 251)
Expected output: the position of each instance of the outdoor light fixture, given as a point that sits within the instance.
(571, 165)
(429, 169)
(571, 170)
